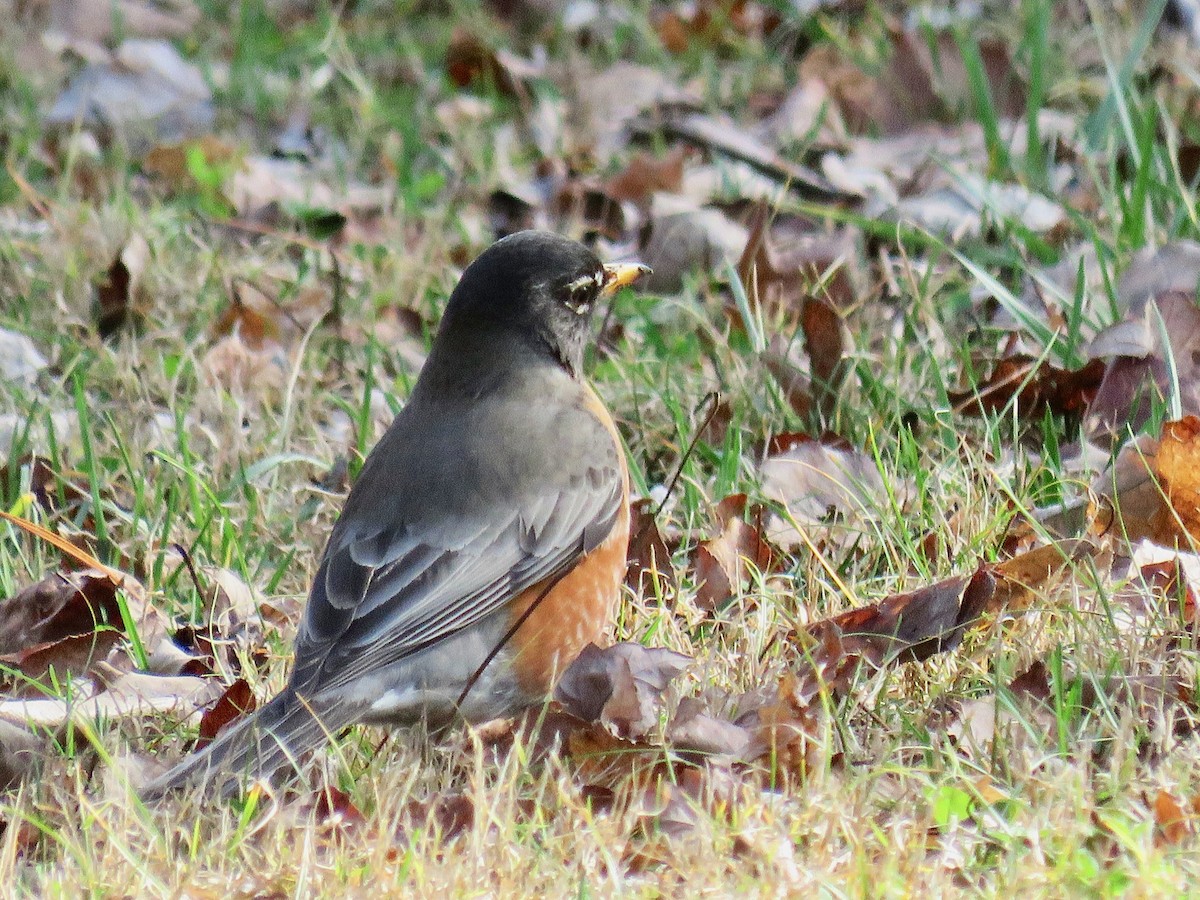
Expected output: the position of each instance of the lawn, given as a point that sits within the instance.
(910, 406)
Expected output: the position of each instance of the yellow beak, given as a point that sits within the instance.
(618, 275)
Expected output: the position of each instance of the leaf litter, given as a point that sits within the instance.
(793, 202)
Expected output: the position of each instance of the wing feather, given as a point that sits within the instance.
(414, 559)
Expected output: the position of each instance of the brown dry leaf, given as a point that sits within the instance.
(1129, 501)
(1137, 374)
(470, 62)
(146, 91)
(682, 239)
(918, 84)
(786, 730)
(1152, 491)
(620, 686)
(446, 815)
(1172, 822)
(241, 370)
(808, 114)
(264, 183)
(694, 728)
(648, 557)
(645, 175)
(789, 376)
(724, 563)
(734, 144)
(710, 23)
(824, 483)
(1178, 467)
(57, 607)
(1035, 386)
(169, 162)
(333, 809)
(117, 298)
(918, 624)
(1162, 586)
(1028, 578)
(34, 670)
(607, 101)
(783, 268)
(237, 701)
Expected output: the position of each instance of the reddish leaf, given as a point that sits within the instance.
(1173, 822)
(237, 701)
(1035, 386)
(923, 622)
(334, 807)
(649, 557)
(58, 607)
(448, 815)
(646, 175)
(33, 669)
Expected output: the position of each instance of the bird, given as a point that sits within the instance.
(483, 544)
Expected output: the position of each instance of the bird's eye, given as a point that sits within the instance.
(579, 295)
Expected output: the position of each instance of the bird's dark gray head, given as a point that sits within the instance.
(537, 285)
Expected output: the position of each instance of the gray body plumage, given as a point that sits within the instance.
(494, 477)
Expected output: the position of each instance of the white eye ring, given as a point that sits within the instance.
(585, 287)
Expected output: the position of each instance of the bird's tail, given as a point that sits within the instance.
(276, 737)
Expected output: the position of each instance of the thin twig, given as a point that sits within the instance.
(713, 399)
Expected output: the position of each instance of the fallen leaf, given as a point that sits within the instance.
(920, 623)
(1178, 467)
(146, 92)
(446, 815)
(1034, 387)
(620, 686)
(694, 728)
(117, 300)
(262, 183)
(334, 808)
(682, 239)
(1173, 824)
(725, 562)
(470, 62)
(129, 695)
(46, 667)
(645, 175)
(783, 272)
(606, 102)
(1137, 375)
(648, 557)
(236, 702)
(57, 607)
(722, 136)
(822, 482)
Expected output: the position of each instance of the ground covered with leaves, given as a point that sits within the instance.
(911, 405)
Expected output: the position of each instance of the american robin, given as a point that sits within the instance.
(483, 544)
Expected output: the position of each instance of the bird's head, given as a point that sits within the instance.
(540, 286)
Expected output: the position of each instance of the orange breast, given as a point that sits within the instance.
(578, 609)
